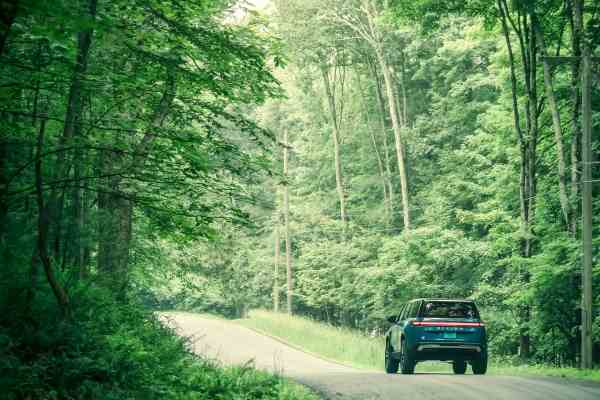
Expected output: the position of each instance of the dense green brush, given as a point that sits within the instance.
(115, 350)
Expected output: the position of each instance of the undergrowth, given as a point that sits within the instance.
(112, 349)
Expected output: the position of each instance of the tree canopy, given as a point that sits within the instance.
(172, 154)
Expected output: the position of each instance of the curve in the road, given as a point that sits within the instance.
(234, 344)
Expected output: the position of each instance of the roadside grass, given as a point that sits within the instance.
(338, 344)
(353, 348)
(242, 381)
(541, 370)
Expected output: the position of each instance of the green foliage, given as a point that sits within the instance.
(137, 117)
(464, 173)
(115, 350)
(168, 183)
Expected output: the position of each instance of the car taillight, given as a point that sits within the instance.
(428, 323)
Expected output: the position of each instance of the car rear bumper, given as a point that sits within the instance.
(438, 346)
(445, 351)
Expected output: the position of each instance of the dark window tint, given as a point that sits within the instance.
(414, 307)
(402, 313)
(449, 309)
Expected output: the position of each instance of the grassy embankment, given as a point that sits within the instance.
(352, 348)
(112, 350)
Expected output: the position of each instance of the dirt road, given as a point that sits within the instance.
(234, 344)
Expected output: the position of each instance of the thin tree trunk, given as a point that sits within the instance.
(386, 148)
(403, 87)
(114, 235)
(336, 143)
(373, 37)
(375, 148)
(527, 143)
(381, 173)
(33, 272)
(576, 18)
(82, 240)
(396, 86)
(558, 134)
(398, 137)
(277, 260)
(72, 123)
(532, 123)
(388, 174)
(286, 216)
(78, 211)
(42, 228)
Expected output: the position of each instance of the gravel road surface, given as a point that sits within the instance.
(234, 344)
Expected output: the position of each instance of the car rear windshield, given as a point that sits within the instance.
(449, 309)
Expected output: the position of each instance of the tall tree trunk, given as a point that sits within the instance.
(380, 164)
(82, 241)
(277, 260)
(532, 124)
(386, 149)
(336, 142)
(42, 228)
(576, 20)
(558, 134)
(527, 141)
(78, 215)
(403, 88)
(286, 216)
(381, 171)
(114, 234)
(79, 208)
(398, 138)
(115, 205)
(587, 277)
(35, 259)
(72, 124)
(371, 34)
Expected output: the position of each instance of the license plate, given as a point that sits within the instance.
(450, 335)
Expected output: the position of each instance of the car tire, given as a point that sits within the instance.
(479, 365)
(459, 367)
(391, 364)
(407, 362)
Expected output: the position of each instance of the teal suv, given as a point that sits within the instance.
(432, 329)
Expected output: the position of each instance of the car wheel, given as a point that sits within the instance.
(391, 364)
(407, 363)
(479, 365)
(459, 367)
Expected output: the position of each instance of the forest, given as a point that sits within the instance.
(327, 158)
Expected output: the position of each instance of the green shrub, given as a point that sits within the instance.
(112, 349)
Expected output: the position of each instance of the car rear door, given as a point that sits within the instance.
(396, 329)
(408, 314)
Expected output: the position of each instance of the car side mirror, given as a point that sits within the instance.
(392, 319)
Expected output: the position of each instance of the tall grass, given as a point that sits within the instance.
(353, 348)
(339, 344)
